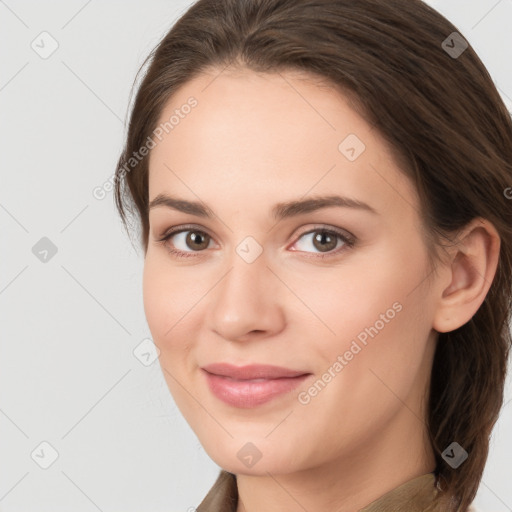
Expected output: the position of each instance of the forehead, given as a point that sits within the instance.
(280, 135)
(263, 106)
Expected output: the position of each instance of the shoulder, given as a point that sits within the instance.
(472, 508)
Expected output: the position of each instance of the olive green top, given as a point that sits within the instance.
(416, 495)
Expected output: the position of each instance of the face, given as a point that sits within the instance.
(335, 292)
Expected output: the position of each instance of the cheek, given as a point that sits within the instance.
(166, 304)
(155, 295)
(380, 318)
(166, 301)
(382, 343)
(354, 304)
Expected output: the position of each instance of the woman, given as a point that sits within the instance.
(323, 191)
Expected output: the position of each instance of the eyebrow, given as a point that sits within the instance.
(279, 211)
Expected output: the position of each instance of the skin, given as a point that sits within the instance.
(255, 140)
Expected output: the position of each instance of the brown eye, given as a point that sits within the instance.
(324, 241)
(197, 240)
(185, 242)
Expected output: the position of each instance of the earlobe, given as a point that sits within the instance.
(471, 270)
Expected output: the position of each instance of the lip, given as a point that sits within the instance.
(251, 385)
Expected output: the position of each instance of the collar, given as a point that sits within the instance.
(416, 495)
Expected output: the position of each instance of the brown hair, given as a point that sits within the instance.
(440, 113)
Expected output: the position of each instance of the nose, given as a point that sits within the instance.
(246, 302)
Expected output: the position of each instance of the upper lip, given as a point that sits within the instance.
(252, 371)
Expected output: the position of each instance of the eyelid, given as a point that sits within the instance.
(182, 227)
(325, 227)
(316, 227)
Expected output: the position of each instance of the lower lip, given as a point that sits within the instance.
(250, 393)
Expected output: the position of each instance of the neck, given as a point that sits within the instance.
(349, 483)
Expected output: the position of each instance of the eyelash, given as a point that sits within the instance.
(349, 241)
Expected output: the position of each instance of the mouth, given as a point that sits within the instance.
(251, 385)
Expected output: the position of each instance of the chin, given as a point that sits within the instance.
(250, 458)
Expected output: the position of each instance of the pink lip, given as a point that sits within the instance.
(237, 385)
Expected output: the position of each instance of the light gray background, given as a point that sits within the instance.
(68, 374)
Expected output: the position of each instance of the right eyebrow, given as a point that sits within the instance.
(182, 205)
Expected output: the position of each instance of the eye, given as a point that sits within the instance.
(183, 237)
(325, 241)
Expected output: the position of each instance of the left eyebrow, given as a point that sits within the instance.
(298, 207)
(279, 211)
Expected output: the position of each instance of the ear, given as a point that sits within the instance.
(470, 271)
